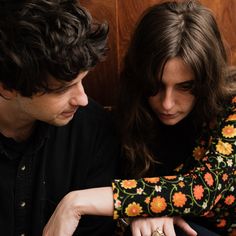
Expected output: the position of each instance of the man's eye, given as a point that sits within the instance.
(61, 90)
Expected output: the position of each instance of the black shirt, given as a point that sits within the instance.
(174, 145)
(36, 174)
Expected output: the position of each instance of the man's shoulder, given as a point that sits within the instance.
(93, 108)
(92, 111)
(93, 114)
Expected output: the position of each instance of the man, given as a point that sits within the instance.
(53, 138)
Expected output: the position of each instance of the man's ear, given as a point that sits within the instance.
(7, 93)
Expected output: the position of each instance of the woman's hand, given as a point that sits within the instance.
(146, 226)
(66, 217)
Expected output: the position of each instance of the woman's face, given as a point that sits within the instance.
(174, 99)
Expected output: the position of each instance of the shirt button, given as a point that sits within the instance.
(23, 204)
(23, 168)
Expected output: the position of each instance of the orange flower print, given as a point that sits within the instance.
(222, 223)
(115, 215)
(115, 196)
(231, 117)
(147, 200)
(117, 203)
(133, 209)
(158, 204)
(229, 131)
(224, 148)
(170, 177)
(198, 153)
(225, 177)
(181, 184)
(209, 214)
(128, 184)
(179, 199)
(198, 192)
(152, 180)
(208, 165)
(217, 199)
(229, 200)
(209, 179)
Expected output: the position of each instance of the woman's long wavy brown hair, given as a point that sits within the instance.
(172, 29)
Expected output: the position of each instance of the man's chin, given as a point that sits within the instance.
(61, 122)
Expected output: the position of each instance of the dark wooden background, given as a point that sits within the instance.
(101, 83)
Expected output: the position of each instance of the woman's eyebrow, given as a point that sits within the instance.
(186, 82)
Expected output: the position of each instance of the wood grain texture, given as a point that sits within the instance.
(101, 82)
(129, 12)
(225, 14)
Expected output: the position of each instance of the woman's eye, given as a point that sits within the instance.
(186, 86)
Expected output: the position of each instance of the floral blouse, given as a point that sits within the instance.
(208, 190)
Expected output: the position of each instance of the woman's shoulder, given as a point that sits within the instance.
(230, 105)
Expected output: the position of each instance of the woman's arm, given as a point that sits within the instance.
(196, 192)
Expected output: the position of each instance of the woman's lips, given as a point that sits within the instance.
(168, 116)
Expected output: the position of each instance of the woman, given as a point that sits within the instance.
(177, 118)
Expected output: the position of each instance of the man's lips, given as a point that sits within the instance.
(68, 113)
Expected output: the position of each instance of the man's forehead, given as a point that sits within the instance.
(51, 80)
(54, 83)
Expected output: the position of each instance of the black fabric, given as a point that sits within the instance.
(201, 231)
(173, 145)
(56, 160)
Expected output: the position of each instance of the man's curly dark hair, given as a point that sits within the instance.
(47, 37)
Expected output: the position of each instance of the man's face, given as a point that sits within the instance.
(57, 107)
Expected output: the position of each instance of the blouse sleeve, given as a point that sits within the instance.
(195, 192)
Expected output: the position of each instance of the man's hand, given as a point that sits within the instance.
(65, 218)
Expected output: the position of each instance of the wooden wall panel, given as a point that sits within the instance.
(101, 83)
(122, 16)
(128, 14)
(225, 13)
